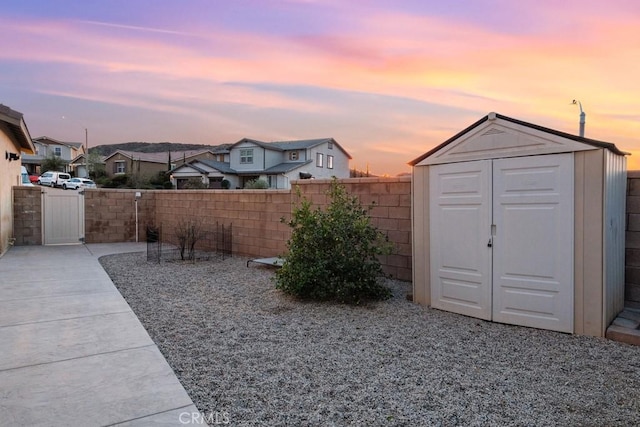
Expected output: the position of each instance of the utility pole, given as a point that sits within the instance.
(86, 151)
(86, 145)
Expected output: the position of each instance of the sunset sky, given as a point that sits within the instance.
(387, 79)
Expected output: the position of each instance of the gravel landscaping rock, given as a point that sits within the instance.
(242, 347)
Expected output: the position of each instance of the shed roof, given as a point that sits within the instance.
(492, 116)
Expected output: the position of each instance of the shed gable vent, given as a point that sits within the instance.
(493, 131)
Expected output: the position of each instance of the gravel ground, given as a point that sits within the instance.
(243, 348)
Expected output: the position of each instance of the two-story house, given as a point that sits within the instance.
(46, 147)
(277, 163)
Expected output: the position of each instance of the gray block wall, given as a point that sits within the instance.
(632, 250)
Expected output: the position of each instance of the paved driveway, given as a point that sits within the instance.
(71, 350)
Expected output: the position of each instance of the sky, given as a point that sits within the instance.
(389, 80)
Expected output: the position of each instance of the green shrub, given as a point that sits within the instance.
(194, 184)
(333, 254)
(225, 184)
(160, 180)
(256, 184)
(118, 181)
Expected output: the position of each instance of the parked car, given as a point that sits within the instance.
(53, 179)
(33, 179)
(75, 183)
(24, 177)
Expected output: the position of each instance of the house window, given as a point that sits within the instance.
(273, 181)
(329, 162)
(319, 159)
(330, 145)
(293, 155)
(246, 156)
(57, 151)
(221, 157)
(119, 166)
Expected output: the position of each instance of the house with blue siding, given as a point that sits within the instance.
(277, 163)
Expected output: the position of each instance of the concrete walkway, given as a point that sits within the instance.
(71, 350)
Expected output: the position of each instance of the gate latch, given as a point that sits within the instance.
(490, 242)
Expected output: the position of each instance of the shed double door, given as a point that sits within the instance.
(501, 239)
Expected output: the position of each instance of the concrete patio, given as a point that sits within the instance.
(71, 350)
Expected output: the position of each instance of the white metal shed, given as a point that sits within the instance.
(517, 223)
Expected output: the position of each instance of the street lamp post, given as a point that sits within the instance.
(583, 117)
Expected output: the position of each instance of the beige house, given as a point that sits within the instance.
(521, 224)
(14, 142)
(145, 165)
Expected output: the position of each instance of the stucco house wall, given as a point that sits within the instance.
(14, 141)
(9, 176)
(133, 167)
(340, 167)
(258, 157)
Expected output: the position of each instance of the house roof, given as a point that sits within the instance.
(81, 156)
(225, 168)
(588, 141)
(299, 144)
(277, 169)
(220, 166)
(286, 167)
(159, 157)
(49, 141)
(17, 128)
(195, 164)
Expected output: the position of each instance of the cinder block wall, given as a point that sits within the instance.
(391, 214)
(110, 215)
(632, 251)
(255, 215)
(27, 215)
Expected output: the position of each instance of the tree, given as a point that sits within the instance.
(53, 163)
(333, 254)
(95, 165)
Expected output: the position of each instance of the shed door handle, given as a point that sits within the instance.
(490, 244)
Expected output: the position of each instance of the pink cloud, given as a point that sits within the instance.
(530, 75)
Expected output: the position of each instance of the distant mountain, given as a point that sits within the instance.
(152, 147)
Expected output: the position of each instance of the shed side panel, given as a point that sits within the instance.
(578, 251)
(589, 243)
(421, 235)
(614, 235)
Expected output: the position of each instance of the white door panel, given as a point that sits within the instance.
(461, 273)
(525, 277)
(533, 245)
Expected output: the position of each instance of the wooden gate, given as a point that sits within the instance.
(62, 216)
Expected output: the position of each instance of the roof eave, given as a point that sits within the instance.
(18, 128)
